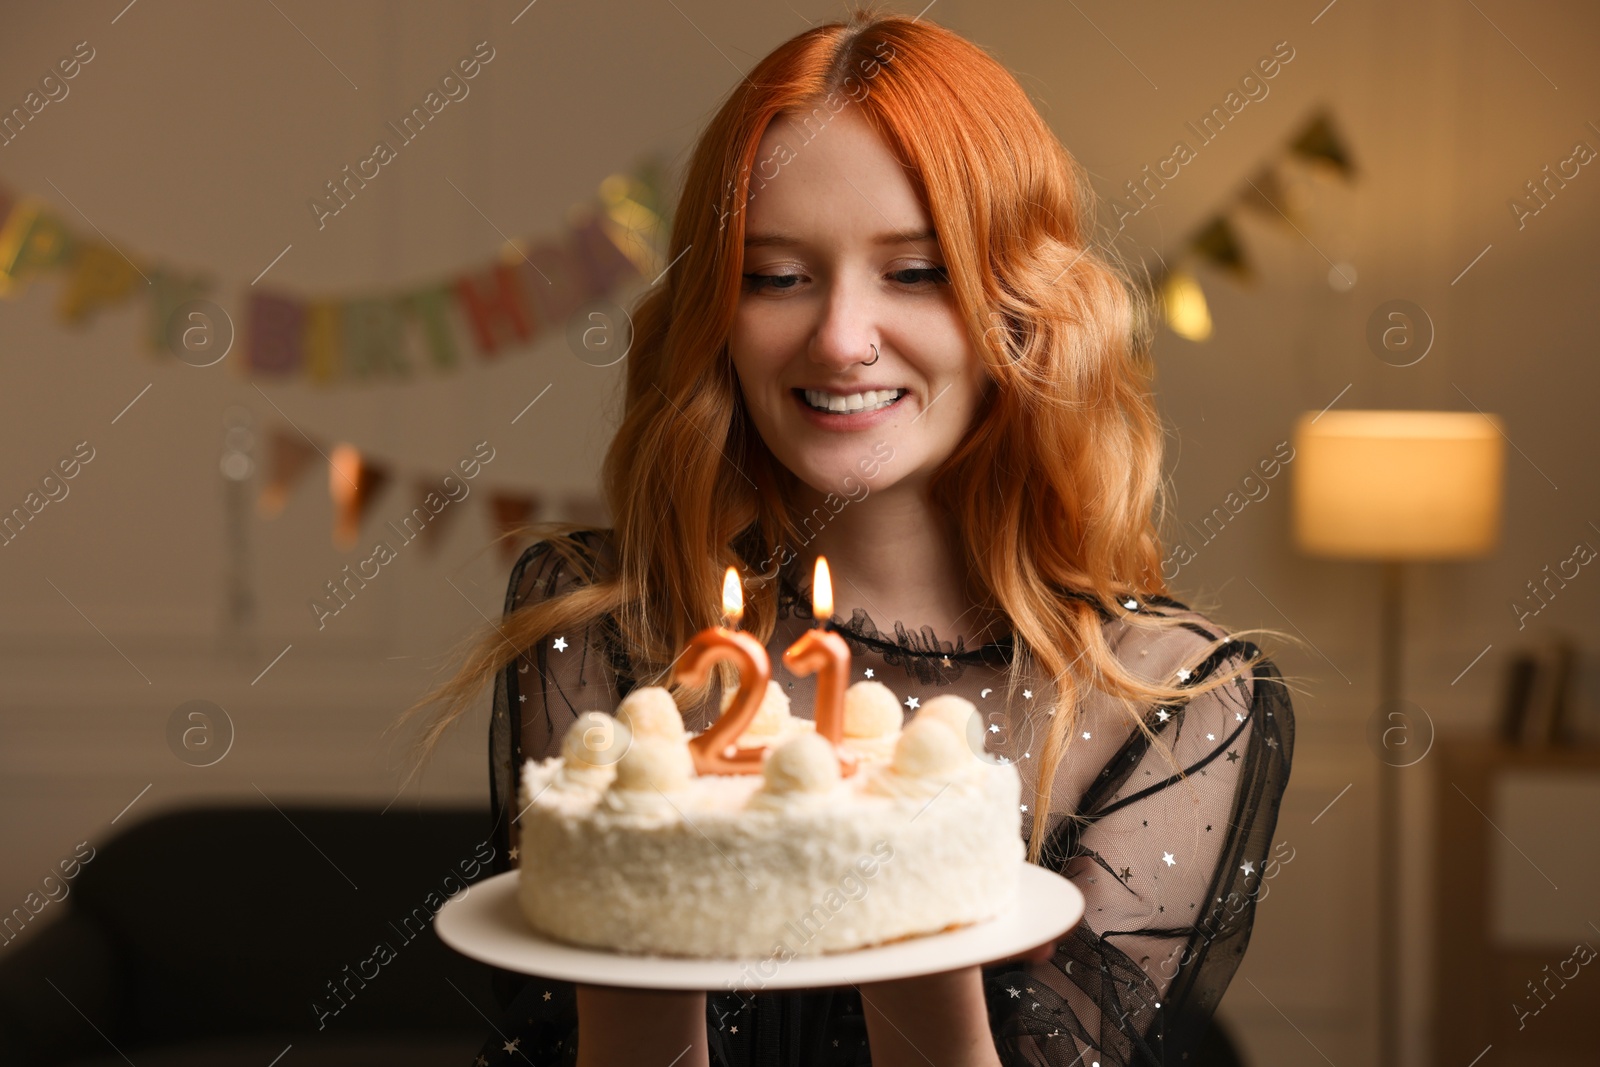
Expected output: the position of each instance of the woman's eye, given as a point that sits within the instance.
(910, 276)
(921, 275)
(756, 282)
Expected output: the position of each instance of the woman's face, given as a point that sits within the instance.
(839, 256)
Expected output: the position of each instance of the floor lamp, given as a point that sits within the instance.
(1392, 487)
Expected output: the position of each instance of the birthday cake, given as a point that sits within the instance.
(797, 844)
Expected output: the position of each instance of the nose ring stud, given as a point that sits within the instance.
(874, 358)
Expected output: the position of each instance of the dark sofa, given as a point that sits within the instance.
(226, 935)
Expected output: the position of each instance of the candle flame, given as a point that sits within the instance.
(732, 597)
(822, 591)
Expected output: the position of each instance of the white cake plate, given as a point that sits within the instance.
(488, 925)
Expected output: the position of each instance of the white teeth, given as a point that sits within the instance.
(867, 401)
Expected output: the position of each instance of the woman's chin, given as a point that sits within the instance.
(840, 474)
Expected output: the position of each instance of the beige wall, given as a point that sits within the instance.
(199, 130)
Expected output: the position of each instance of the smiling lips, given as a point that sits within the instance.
(850, 403)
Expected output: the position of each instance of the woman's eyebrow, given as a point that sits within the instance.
(905, 237)
(892, 237)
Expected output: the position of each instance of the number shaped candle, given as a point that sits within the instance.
(711, 750)
(826, 653)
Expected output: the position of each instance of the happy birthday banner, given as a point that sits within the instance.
(512, 302)
(1216, 240)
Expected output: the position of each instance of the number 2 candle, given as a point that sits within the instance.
(714, 751)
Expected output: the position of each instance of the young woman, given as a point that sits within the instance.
(887, 338)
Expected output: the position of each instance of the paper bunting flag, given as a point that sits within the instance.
(168, 292)
(275, 332)
(288, 459)
(555, 283)
(432, 511)
(634, 215)
(493, 304)
(605, 265)
(1319, 142)
(323, 330)
(32, 242)
(512, 511)
(429, 309)
(527, 293)
(1266, 194)
(99, 275)
(354, 481)
(632, 227)
(372, 341)
(1269, 191)
(1217, 243)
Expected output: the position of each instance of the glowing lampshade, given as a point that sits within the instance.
(1397, 485)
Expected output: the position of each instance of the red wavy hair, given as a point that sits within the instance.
(1054, 490)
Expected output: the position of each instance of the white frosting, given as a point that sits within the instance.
(929, 761)
(871, 749)
(871, 710)
(792, 861)
(654, 770)
(802, 770)
(652, 806)
(650, 711)
(595, 739)
(929, 750)
(578, 777)
(773, 723)
(654, 763)
(589, 753)
(960, 715)
(872, 718)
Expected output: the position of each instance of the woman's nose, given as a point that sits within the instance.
(847, 330)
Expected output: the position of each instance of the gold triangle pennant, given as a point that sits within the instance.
(1217, 243)
(32, 241)
(1319, 142)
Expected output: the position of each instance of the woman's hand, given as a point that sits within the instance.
(936, 1018)
(626, 1027)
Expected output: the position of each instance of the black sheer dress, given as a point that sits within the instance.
(1171, 865)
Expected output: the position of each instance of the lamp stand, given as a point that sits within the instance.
(1389, 666)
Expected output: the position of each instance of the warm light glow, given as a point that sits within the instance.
(1184, 304)
(732, 597)
(344, 473)
(1395, 485)
(821, 592)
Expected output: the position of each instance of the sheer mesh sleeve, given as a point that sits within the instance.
(536, 697)
(540, 693)
(1171, 866)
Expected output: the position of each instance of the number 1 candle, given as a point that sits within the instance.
(826, 653)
